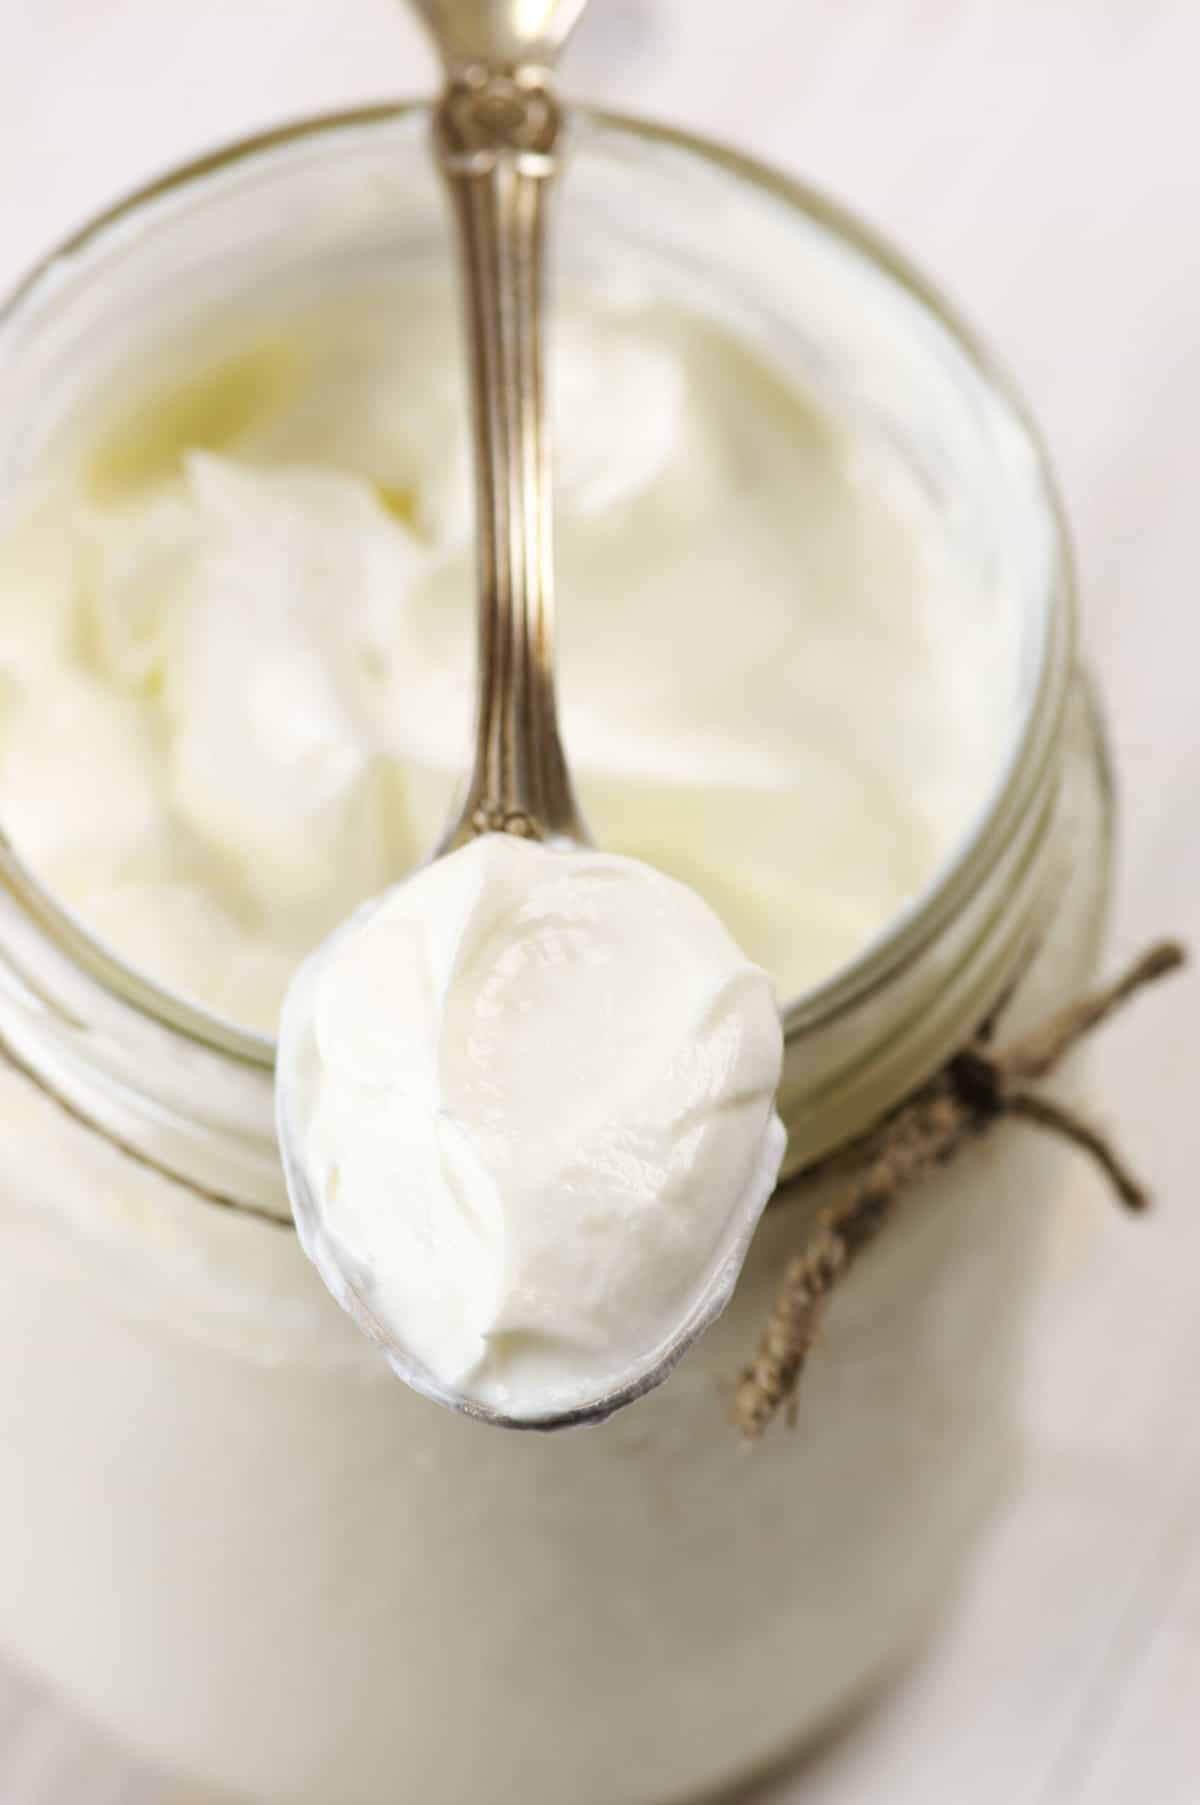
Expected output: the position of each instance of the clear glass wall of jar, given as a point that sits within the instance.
(225, 1531)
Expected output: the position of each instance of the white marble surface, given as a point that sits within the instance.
(1042, 159)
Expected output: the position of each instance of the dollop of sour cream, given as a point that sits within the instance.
(531, 1097)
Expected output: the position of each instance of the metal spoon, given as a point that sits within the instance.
(496, 137)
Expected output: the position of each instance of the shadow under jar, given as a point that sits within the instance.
(226, 1532)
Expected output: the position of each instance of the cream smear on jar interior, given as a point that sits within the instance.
(241, 704)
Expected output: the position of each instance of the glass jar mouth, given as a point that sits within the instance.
(1019, 775)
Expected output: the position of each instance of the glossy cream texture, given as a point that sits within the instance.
(253, 632)
(531, 1093)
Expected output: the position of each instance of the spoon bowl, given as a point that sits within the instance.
(351, 1280)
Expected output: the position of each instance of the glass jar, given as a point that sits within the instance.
(225, 1531)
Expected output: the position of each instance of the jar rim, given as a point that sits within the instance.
(1018, 776)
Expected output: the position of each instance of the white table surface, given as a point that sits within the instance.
(1042, 159)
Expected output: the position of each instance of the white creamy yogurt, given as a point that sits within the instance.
(532, 1093)
(254, 634)
(776, 689)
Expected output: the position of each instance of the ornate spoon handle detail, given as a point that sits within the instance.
(497, 134)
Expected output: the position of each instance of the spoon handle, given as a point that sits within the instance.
(496, 135)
